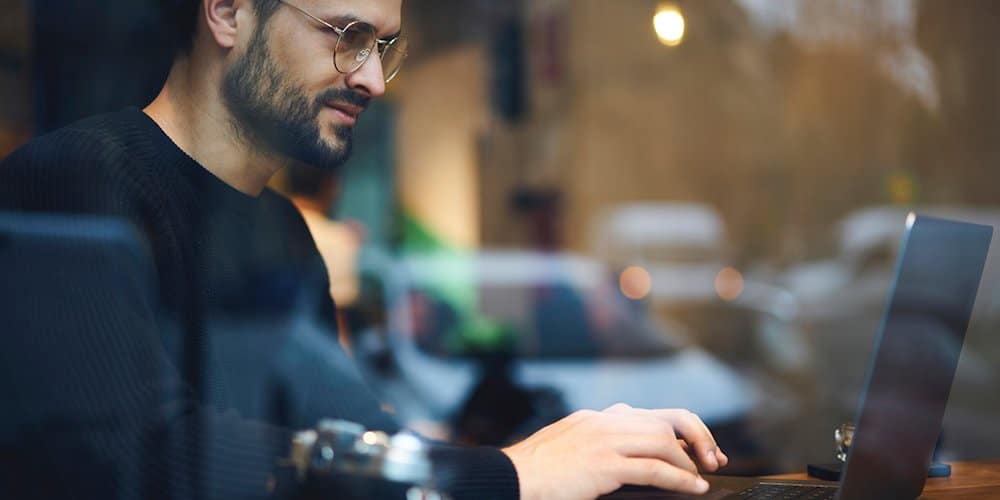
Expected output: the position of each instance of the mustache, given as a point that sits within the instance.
(346, 96)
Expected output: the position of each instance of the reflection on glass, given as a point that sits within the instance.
(844, 436)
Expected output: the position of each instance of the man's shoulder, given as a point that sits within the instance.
(94, 141)
(86, 162)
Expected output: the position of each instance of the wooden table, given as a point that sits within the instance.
(980, 479)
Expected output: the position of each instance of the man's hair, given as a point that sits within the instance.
(181, 17)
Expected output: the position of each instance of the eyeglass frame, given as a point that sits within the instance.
(379, 45)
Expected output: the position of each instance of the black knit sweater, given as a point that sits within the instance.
(218, 254)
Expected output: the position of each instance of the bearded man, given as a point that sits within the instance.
(257, 85)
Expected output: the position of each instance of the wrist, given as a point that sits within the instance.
(516, 455)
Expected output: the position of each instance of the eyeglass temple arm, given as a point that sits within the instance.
(339, 31)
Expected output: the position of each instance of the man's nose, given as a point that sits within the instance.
(368, 78)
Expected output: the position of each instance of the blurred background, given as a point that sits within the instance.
(563, 204)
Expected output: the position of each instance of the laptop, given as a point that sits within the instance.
(909, 378)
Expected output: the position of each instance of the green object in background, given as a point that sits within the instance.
(419, 239)
(455, 285)
(479, 334)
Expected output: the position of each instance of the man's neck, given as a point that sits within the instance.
(190, 110)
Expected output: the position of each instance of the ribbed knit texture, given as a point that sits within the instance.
(475, 473)
(218, 254)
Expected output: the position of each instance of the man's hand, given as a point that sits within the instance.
(590, 453)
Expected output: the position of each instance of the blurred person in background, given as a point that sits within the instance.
(314, 191)
(255, 86)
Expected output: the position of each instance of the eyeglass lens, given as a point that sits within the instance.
(357, 42)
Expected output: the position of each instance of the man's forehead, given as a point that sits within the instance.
(385, 15)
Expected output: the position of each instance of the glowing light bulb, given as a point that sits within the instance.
(669, 25)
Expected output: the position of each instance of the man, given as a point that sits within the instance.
(259, 84)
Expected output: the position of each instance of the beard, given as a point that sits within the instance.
(274, 116)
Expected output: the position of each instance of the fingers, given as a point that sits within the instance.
(719, 455)
(696, 434)
(659, 474)
(688, 426)
(658, 446)
(723, 459)
(604, 450)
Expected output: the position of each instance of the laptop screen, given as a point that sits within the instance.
(915, 357)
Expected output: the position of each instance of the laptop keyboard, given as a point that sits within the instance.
(787, 491)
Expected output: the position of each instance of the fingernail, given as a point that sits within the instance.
(702, 485)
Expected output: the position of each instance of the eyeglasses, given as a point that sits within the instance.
(356, 43)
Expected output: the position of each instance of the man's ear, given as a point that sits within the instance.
(221, 17)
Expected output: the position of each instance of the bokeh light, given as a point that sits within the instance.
(901, 187)
(729, 284)
(635, 283)
(669, 25)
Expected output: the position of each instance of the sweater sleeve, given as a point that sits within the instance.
(475, 473)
